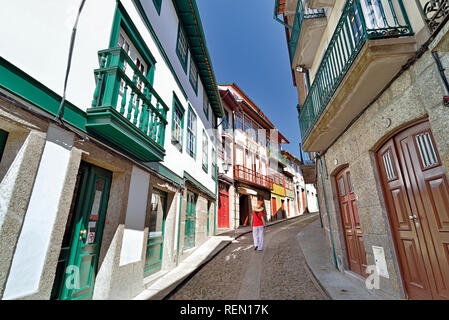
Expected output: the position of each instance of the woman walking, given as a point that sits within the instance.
(258, 225)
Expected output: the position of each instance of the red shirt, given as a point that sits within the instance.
(257, 219)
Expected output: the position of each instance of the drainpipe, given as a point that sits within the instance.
(69, 63)
(275, 16)
(442, 76)
(328, 215)
(316, 179)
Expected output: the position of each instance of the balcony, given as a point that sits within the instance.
(126, 110)
(371, 42)
(253, 178)
(308, 27)
(289, 171)
(434, 12)
(277, 156)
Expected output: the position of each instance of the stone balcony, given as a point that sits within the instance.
(364, 54)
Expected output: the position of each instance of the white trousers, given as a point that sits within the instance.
(258, 237)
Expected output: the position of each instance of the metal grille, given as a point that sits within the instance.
(389, 167)
(434, 12)
(426, 150)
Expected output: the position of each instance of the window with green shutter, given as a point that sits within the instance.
(177, 123)
(214, 163)
(205, 152)
(206, 105)
(190, 220)
(158, 4)
(182, 48)
(193, 75)
(3, 138)
(191, 133)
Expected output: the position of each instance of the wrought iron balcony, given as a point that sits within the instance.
(360, 21)
(301, 15)
(434, 12)
(252, 177)
(126, 110)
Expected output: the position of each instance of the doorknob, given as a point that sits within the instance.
(414, 217)
(83, 232)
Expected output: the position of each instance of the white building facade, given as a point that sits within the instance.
(95, 203)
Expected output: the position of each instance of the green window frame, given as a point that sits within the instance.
(123, 21)
(193, 75)
(156, 231)
(206, 105)
(214, 163)
(158, 5)
(239, 121)
(191, 133)
(182, 48)
(205, 152)
(177, 123)
(3, 138)
(190, 220)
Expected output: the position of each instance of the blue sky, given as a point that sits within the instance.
(248, 47)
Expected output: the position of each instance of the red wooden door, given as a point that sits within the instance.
(223, 211)
(351, 225)
(417, 194)
(273, 208)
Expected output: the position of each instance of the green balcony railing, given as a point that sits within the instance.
(361, 20)
(302, 13)
(122, 87)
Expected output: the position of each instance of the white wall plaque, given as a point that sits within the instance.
(381, 263)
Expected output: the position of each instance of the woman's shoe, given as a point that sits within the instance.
(255, 248)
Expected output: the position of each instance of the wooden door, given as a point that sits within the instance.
(417, 195)
(223, 210)
(244, 210)
(79, 259)
(155, 242)
(351, 225)
(190, 221)
(273, 208)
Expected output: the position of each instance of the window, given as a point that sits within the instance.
(206, 105)
(214, 163)
(193, 75)
(247, 125)
(238, 121)
(190, 221)
(191, 133)
(214, 121)
(226, 120)
(177, 123)
(3, 138)
(126, 44)
(205, 151)
(158, 4)
(182, 48)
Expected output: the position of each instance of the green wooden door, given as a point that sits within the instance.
(79, 259)
(3, 138)
(155, 242)
(189, 238)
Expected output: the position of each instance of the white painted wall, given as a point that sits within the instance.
(36, 36)
(34, 240)
(136, 212)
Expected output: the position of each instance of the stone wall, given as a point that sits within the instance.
(416, 94)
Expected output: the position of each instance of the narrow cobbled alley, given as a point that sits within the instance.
(240, 272)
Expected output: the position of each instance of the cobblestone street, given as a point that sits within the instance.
(239, 272)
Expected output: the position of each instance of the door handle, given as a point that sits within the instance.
(414, 217)
(82, 234)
